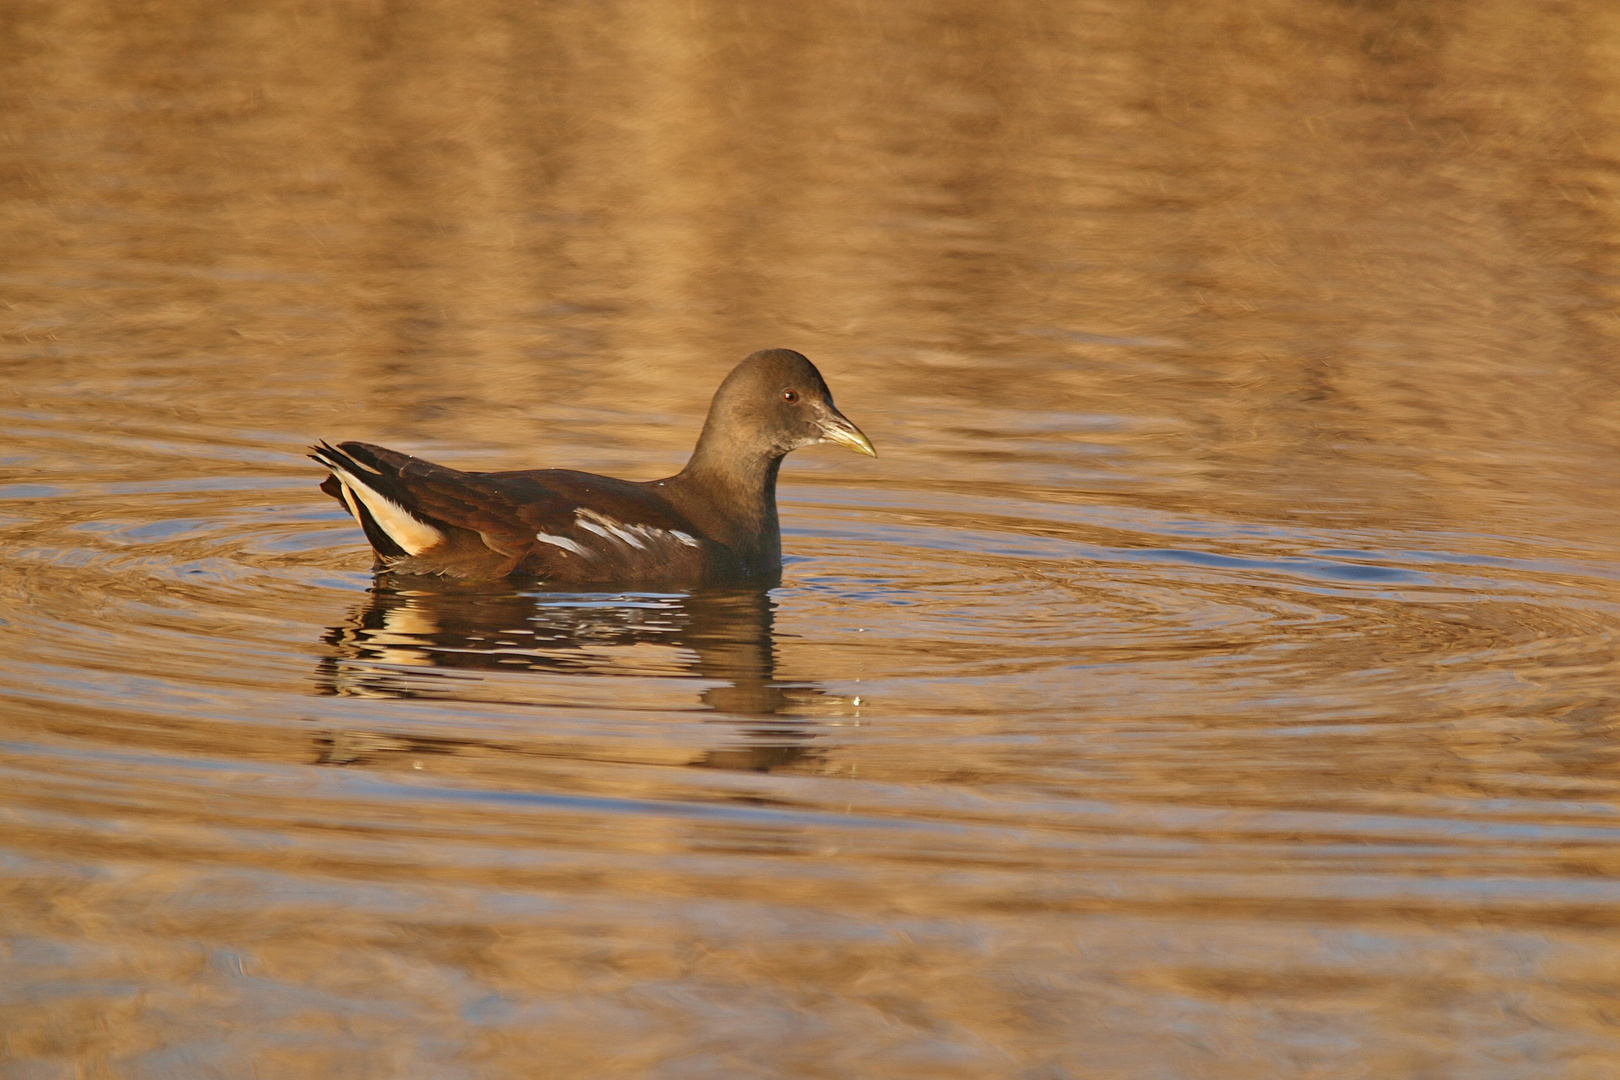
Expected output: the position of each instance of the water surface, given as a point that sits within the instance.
(1214, 677)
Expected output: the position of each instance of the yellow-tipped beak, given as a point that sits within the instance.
(836, 429)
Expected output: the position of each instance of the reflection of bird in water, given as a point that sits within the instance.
(447, 643)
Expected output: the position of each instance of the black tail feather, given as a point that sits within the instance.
(332, 457)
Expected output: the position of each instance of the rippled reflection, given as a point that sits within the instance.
(454, 643)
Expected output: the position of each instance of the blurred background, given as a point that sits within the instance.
(1214, 677)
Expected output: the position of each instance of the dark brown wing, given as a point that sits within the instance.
(617, 530)
(555, 525)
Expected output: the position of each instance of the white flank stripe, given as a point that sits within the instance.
(606, 526)
(627, 536)
(564, 543)
(412, 535)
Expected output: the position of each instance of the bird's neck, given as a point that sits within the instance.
(732, 498)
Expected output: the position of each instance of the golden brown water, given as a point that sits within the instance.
(1215, 677)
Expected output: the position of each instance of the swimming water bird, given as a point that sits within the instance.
(713, 521)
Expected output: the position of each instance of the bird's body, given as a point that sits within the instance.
(713, 521)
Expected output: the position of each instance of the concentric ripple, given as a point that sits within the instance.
(966, 705)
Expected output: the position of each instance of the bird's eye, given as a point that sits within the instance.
(790, 396)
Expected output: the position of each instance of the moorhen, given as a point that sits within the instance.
(713, 521)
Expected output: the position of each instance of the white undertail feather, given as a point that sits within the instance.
(405, 530)
(348, 500)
